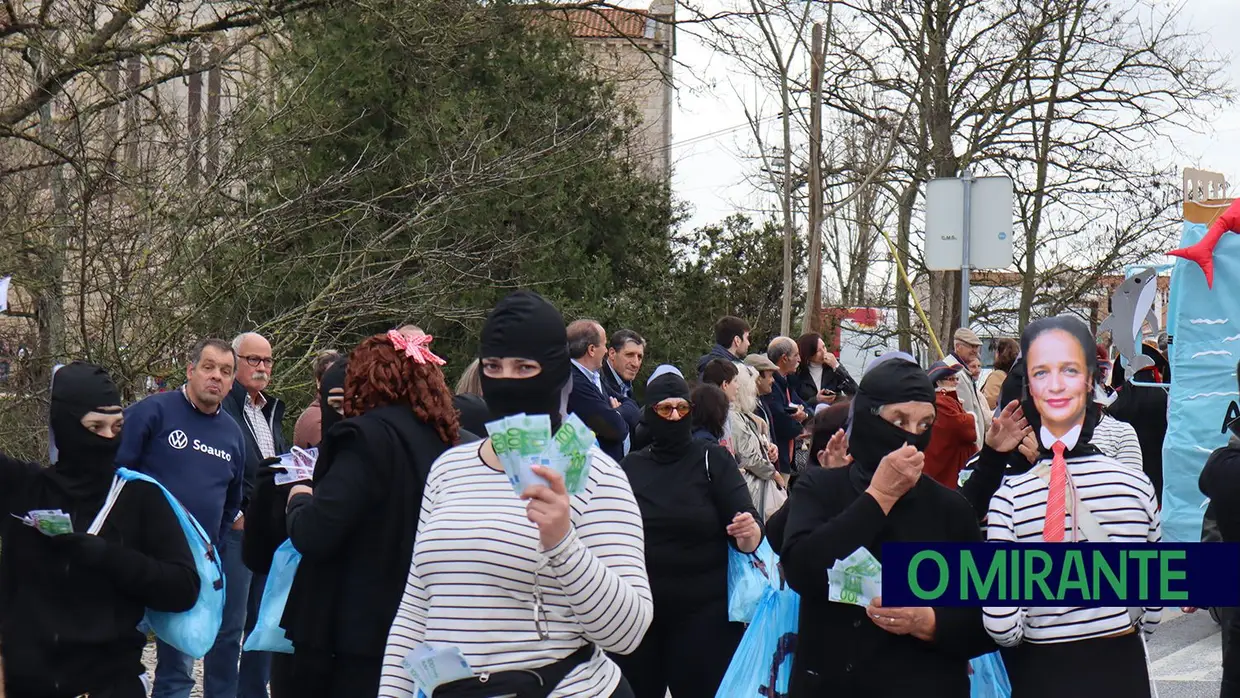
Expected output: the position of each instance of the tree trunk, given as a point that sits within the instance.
(936, 108)
(50, 296)
(904, 322)
(785, 318)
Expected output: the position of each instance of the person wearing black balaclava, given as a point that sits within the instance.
(694, 504)
(882, 496)
(266, 520)
(535, 586)
(70, 604)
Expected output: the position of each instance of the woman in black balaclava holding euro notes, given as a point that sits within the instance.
(71, 602)
(845, 650)
(531, 588)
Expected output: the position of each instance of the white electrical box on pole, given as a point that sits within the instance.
(968, 226)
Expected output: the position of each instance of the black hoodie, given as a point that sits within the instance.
(70, 605)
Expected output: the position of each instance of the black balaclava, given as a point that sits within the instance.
(524, 325)
(1093, 411)
(669, 439)
(871, 437)
(86, 462)
(333, 378)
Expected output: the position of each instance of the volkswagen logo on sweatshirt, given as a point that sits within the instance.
(178, 440)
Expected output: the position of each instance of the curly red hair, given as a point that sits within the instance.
(380, 375)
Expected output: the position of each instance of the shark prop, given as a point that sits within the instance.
(1203, 252)
(1132, 305)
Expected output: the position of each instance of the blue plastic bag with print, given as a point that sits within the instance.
(749, 576)
(762, 663)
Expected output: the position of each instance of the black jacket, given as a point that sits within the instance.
(234, 405)
(837, 380)
(70, 606)
(686, 510)
(716, 352)
(473, 411)
(1145, 409)
(616, 387)
(840, 651)
(1220, 481)
(784, 429)
(356, 533)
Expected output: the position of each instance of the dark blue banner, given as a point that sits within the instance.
(1061, 574)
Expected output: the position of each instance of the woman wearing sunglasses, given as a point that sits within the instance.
(694, 503)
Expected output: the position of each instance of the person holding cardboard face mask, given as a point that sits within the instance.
(1075, 493)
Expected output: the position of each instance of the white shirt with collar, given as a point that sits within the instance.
(1069, 440)
(595, 377)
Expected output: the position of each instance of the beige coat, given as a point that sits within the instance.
(749, 437)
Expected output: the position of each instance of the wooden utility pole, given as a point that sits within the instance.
(813, 295)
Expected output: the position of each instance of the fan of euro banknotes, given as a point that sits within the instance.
(857, 579)
(523, 441)
(297, 465)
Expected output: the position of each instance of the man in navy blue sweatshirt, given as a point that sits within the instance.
(192, 447)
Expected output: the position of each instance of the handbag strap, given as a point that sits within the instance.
(118, 484)
(1083, 519)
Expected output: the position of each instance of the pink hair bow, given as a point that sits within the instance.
(416, 347)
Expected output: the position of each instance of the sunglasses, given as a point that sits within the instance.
(665, 411)
(257, 361)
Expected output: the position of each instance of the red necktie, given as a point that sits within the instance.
(1052, 525)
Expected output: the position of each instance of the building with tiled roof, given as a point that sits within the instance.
(633, 49)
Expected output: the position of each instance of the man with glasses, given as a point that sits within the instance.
(228, 669)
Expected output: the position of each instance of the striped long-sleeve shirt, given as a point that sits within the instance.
(1118, 440)
(471, 584)
(1122, 501)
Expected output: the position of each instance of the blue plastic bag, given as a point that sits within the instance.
(749, 576)
(762, 664)
(267, 635)
(989, 679)
(192, 632)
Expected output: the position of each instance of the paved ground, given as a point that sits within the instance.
(1187, 655)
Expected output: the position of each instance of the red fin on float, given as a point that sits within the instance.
(1203, 252)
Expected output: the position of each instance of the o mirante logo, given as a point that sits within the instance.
(1061, 574)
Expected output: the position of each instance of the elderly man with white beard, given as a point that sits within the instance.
(259, 415)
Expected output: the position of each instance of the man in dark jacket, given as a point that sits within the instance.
(784, 405)
(731, 342)
(1145, 408)
(625, 353)
(260, 416)
(589, 399)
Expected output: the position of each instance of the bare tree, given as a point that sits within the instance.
(1054, 93)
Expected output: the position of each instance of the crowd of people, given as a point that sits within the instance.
(411, 535)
